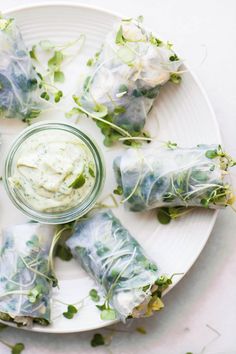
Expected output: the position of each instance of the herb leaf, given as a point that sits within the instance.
(175, 78)
(56, 60)
(108, 315)
(59, 76)
(118, 190)
(32, 53)
(91, 172)
(18, 348)
(71, 311)
(78, 182)
(120, 40)
(163, 216)
(63, 252)
(94, 295)
(100, 110)
(211, 154)
(97, 340)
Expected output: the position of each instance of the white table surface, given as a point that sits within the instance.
(207, 294)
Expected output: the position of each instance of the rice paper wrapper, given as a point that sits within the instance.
(117, 262)
(19, 92)
(160, 176)
(127, 78)
(23, 258)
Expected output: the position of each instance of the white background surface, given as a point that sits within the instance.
(207, 294)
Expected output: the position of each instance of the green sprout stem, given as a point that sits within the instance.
(34, 270)
(56, 238)
(136, 138)
(114, 126)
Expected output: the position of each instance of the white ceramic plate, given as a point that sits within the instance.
(181, 114)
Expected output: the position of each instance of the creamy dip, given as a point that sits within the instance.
(53, 171)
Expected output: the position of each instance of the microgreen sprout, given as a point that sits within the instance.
(5, 23)
(97, 340)
(71, 312)
(171, 145)
(100, 112)
(107, 313)
(175, 78)
(94, 295)
(57, 56)
(18, 348)
(63, 252)
(57, 236)
(118, 190)
(15, 348)
(166, 214)
(78, 182)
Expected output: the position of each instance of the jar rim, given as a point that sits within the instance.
(69, 214)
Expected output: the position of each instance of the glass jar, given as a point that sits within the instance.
(27, 200)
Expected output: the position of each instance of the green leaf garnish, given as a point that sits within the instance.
(108, 315)
(173, 57)
(120, 40)
(59, 76)
(101, 307)
(119, 110)
(100, 110)
(35, 294)
(56, 60)
(32, 53)
(57, 96)
(163, 216)
(45, 96)
(17, 348)
(71, 311)
(97, 340)
(90, 62)
(118, 190)
(78, 182)
(171, 145)
(155, 41)
(175, 78)
(4, 23)
(63, 252)
(94, 295)
(211, 154)
(91, 172)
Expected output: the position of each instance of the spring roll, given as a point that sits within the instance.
(169, 176)
(25, 277)
(19, 92)
(126, 77)
(129, 279)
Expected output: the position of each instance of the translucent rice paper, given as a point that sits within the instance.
(160, 176)
(24, 274)
(127, 77)
(107, 251)
(19, 93)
